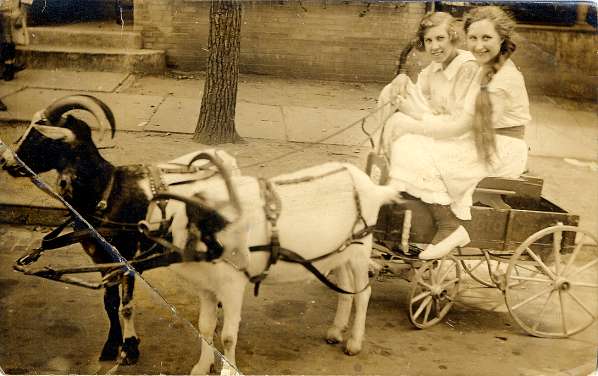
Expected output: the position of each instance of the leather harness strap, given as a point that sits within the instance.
(157, 186)
(53, 240)
(272, 210)
(105, 227)
(103, 203)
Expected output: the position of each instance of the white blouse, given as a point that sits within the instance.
(510, 104)
(445, 89)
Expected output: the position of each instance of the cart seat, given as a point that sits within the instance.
(491, 191)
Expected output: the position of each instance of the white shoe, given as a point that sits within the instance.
(457, 238)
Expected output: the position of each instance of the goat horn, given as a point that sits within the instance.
(232, 191)
(99, 110)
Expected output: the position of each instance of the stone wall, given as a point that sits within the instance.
(559, 61)
(352, 40)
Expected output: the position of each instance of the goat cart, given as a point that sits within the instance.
(521, 243)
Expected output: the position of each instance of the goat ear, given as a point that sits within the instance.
(56, 133)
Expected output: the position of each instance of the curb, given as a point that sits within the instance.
(31, 215)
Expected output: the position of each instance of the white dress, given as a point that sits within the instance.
(446, 171)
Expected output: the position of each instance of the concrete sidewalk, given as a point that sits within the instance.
(274, 108)
(563, 135)
(269, 108)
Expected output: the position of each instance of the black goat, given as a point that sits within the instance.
(100, 192)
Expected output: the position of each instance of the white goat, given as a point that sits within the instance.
(319, 214)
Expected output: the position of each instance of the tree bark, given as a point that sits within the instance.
(216, 122)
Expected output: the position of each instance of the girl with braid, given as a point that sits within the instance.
(440, 158)
(441, 86)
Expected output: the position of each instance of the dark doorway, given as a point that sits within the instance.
(45, 12)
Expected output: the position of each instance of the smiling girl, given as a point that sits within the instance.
(440, 158)
(441, 86)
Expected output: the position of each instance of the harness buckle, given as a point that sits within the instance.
(30, 257)
(102, 205)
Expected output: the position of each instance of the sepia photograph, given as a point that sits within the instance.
(298, 187)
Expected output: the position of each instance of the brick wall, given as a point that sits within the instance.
(337, 40)
(352, 40)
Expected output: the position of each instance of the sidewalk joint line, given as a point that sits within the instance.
(155, 110)
(121, 83)
(284, 123)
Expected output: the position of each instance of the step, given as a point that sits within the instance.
(93, 58)
(71, 37)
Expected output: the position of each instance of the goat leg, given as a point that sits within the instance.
(130, 349)
(115, 336)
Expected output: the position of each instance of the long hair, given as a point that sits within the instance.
(433, 19)
(484, 133)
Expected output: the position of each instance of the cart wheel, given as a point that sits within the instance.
(433, 290)
(558, 298)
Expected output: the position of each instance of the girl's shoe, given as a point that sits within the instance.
(458, 238)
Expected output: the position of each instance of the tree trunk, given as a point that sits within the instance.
(216, 122)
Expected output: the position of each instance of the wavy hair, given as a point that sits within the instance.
(485, 136)
(434, 19)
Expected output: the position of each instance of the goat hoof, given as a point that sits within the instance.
(332, 341)
(353, 347)
(108, 357)
(130, 351)
(334, 336)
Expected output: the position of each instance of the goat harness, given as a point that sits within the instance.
(272, 210)
(105, 227)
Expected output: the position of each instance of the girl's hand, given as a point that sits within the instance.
(399, 86)
(407, 107)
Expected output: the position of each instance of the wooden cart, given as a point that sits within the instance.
(523, 244)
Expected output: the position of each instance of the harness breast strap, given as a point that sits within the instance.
(272, 209)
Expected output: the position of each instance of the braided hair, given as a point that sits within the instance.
(484, 133)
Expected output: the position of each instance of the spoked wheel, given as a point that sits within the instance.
(558, 295)
(433, 291)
